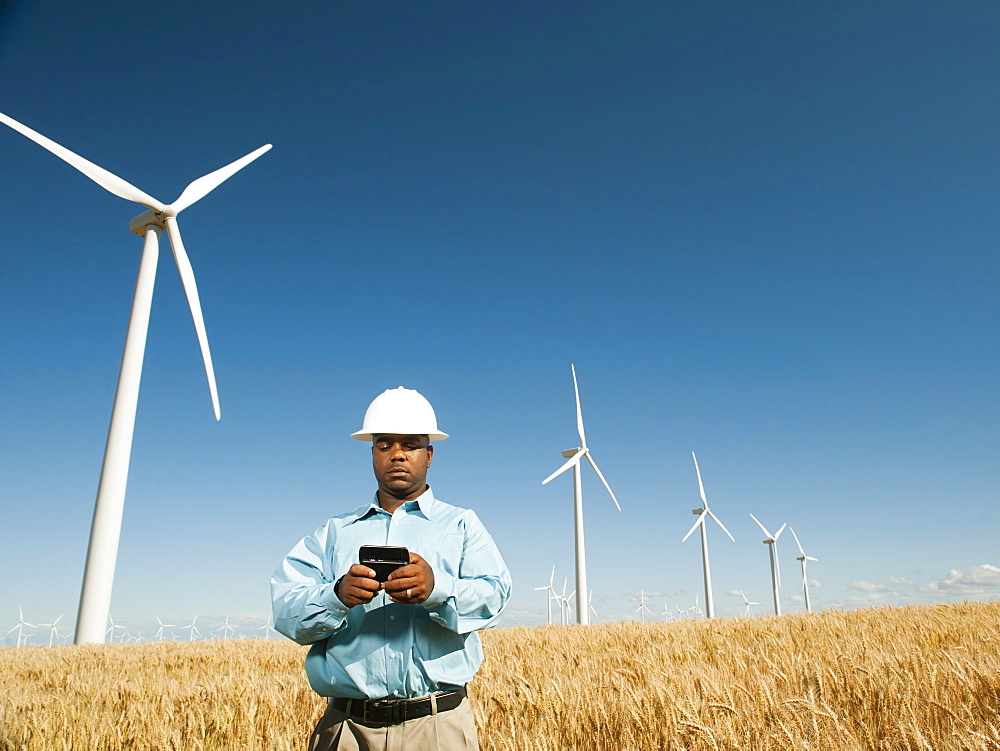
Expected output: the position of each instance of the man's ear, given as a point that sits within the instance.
(430, 453)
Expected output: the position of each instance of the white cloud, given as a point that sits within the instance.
(815, 583)
(975, 581)
(900, 580)
(868, 586)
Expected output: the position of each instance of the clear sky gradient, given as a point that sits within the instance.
(765, 232)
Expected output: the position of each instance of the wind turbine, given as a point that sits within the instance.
(702, 513)
(192, 629)
(112, 627)
(21, 623)
(666, 612)
(551, 593)
(575, 455)
(590, 603)
(53, 631)
(102, 551)
(772, 542)
(225, 628)
(802, 559)
(159, 632)
(746, 613)
(267, 627)
(642, 609)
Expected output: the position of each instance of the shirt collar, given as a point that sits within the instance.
(424, 504)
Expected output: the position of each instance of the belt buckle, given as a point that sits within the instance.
(386, 712)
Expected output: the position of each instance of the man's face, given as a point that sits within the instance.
(400, 463)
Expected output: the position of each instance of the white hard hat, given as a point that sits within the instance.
(400, 411)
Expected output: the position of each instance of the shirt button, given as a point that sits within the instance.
(395, 693)
(392, 617)
(392, 655)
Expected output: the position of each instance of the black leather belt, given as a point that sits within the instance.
(395, 711)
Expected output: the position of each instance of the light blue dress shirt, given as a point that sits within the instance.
(383, 648)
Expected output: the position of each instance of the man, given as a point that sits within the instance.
(393, 658)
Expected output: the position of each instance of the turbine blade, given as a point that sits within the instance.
(708, 511)
(111, 183)
(701, 520)
(779, 532)
(204, 185)
(701, 487)
(810, 558)
(569, 463)
(191, 290)
(598, 471)
(552, 575)
(579, 412)
(796, 538)
(762, 527)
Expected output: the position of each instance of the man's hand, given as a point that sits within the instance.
(358, 586)
(410, 584)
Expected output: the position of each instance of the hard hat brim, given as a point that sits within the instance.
(369, 437)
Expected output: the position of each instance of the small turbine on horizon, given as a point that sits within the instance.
(703, 512)
(746, 613)
(53, 628)
(21, 623)
(102, 551)
(575, 455)
(551, 594)
(802, 559)
(772, 542)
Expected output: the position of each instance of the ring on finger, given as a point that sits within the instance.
(408, 595)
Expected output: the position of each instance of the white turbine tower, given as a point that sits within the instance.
(772, 542)
(551, 593)
(702, 513)
(102, 552)
(575, 455)
(802, 559)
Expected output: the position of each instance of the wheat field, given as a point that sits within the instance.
(923, 677)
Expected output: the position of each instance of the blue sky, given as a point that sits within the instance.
(763, 232)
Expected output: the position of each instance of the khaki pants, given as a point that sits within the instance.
(453, 730)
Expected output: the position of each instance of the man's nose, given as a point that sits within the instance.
(397, 453)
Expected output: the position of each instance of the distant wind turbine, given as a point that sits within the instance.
(225, 628)
(642, 609)
(802, 559)
(102, 551)
(702, 513)
(575, 455)
(551, 593)
(746, 612)
(53, 630)
(772, 542)
(112, 627)
(159, 632)
(192, 629)
(267, 627)
(21, 623)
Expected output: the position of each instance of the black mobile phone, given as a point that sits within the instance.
(384, 559)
